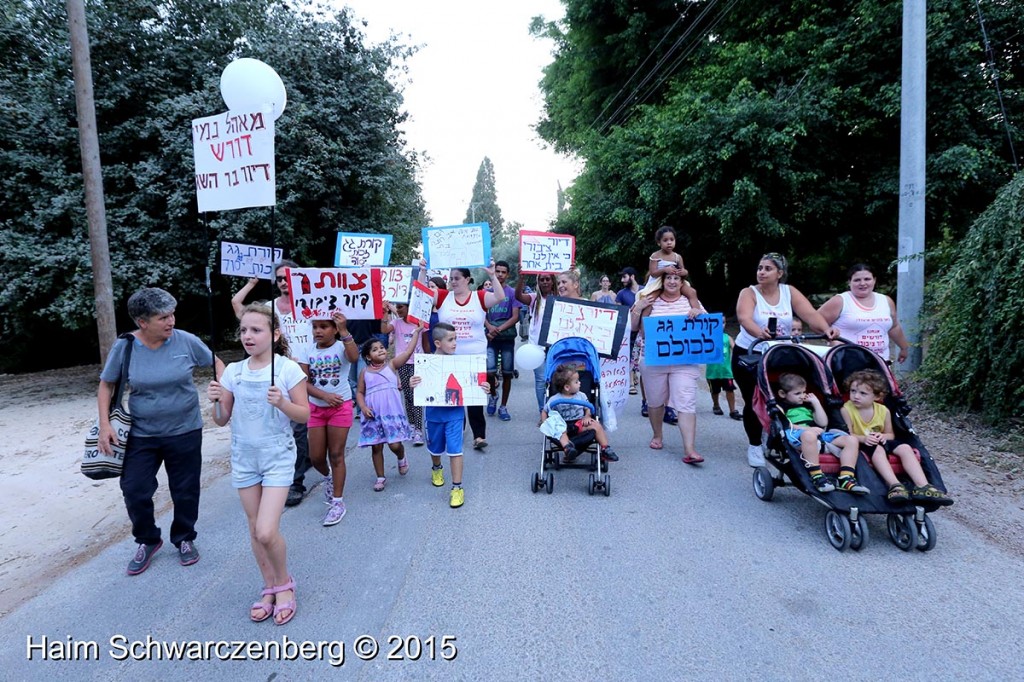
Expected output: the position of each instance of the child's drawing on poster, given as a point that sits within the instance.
(450, 380)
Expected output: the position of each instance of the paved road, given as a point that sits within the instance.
(680, 574)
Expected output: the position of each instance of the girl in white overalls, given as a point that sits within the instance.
(263, 449)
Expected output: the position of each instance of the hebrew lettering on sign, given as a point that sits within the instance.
(601, 324)
(682, 340)
(541, 252)
(356, 250)
(234, 156)
(318, 293)
(248, 260)
(458, 246)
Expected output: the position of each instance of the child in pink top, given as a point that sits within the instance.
(405, 334)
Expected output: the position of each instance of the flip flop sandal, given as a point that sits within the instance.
(267, 607)
(693, 459)
(479, 444)
(656, 444)
(717, 410)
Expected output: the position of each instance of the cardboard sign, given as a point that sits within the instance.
(355, 250)
(248, 260)
(318, 293)
(450, 380)
(681, 340)
(457, 246)
(396, 284)
(600, 323)
(234, 155)
(541, 252)
(421, 303)
(615, 377)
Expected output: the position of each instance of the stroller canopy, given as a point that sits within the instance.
(576, 350)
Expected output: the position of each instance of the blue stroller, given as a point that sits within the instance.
(582, 355)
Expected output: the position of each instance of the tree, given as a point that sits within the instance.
(768, 127)
(342, 162)
(483, 206)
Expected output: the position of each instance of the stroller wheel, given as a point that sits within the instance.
(837, 529)
(926, 537)
(591, 484)
(606, 479)
(859, 540)
(549, 483)
(535, 483)
(764, 485)
(902, 531)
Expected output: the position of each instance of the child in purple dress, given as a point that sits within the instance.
(379, 397)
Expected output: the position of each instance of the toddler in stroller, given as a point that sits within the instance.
(571, 405)
(806, 419)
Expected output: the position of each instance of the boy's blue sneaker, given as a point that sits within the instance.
(503, 414)
(492, 405)
(643, 409)
(670, 416)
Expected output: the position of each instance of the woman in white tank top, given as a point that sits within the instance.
(770, 297)
(865, 317)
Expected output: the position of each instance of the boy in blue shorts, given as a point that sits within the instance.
(445, 424)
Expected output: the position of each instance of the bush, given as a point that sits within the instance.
(975, 354)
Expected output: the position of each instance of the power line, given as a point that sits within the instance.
(995, 78)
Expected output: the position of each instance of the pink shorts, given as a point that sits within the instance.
(340, 416)
(672, 385)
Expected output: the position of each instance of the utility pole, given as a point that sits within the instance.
(911, 248)
(92, 173)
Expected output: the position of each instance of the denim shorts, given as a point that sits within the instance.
(269, 461)
(507, 348)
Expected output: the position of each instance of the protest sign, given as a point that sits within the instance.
(355, 250)
(450, 380)
(318, 293)
(248, 260)
(421, 303)
(601, 324)
(541, 252)
(457, 246)
(234, 156)
(396, 283)
(682, 340)
(615, 377)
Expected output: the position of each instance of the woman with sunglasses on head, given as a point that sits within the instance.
(299, 334)
(758, 305)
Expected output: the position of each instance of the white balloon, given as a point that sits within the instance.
(529, 356)
(250, 85)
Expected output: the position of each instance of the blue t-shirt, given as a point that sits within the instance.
(626, 297)
(163, 399)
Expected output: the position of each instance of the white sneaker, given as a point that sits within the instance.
(755, 456)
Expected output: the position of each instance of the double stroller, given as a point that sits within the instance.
(582, 356)
(909, 526)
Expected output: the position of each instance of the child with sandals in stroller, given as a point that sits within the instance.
(871, 424)
(566, 382)
(806, 419)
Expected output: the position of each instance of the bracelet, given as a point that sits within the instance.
(346, 339)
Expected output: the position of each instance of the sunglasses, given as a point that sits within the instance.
(280, 279)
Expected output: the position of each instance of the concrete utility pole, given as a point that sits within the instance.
(103, 287)
(910, 268)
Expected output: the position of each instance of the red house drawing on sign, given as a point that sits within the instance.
(453, 391)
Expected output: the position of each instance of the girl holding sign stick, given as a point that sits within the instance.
(383, 418)
(263, 449)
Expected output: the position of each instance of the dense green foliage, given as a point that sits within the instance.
(770, 126)
(975, 359)
(483, 204)
(341, 159)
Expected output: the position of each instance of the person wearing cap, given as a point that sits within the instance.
(627, 297)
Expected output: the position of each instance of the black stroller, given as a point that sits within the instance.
(845, 522)
(582, 355)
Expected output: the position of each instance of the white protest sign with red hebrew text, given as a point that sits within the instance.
(541, 252)
(318, 293)
(234, 154)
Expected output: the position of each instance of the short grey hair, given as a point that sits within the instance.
(149, 302)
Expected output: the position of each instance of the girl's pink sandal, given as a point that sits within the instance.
(267, 607)
(656, 444)
(288, 606)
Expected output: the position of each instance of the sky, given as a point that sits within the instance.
(472, 91)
